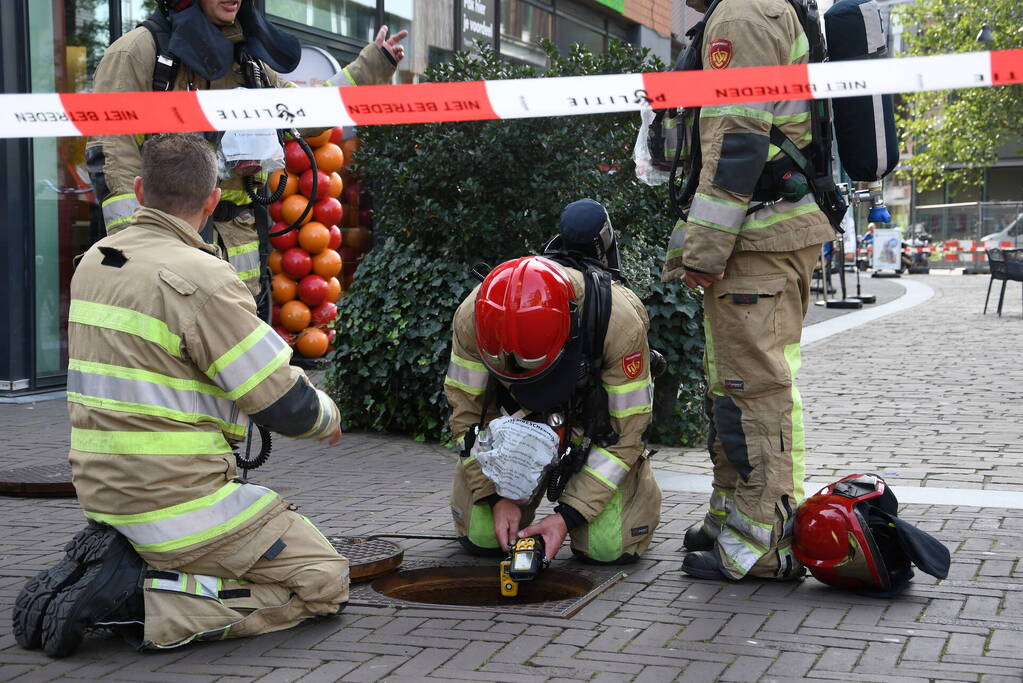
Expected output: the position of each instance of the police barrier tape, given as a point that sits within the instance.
(56, 115)
(950, 248)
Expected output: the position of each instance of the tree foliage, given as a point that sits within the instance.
(451, 195)
(953, 135)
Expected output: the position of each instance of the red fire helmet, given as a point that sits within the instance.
(836, 541)
(526, 312)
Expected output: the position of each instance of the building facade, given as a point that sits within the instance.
(51, 215)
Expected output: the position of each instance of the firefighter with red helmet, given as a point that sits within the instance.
(208, 45)
(519, 352)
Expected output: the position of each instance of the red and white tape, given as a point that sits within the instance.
(55, 115)
(950, 247)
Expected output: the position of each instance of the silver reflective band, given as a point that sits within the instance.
(245, 262)
(194, 522)
(255, 358)
(748, 528)
(631, 401)
(608, 467)
(207, 586)
(470, 377)
(175, 585)
(118, 210)
(791, 107)
(739, 555)
(708, 210)
(190, 403)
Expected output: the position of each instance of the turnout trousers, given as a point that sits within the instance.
(620, 533)
(753, 321)
(270, 579)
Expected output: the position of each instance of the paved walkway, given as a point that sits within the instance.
(930, 397)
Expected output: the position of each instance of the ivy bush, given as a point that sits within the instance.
(450, 195)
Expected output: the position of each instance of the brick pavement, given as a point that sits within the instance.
(946, 415)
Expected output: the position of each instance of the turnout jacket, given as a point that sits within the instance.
(127, 66)
(625, 377)
(735, 144)
(167, 361)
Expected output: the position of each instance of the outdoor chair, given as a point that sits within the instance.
(1013, 272)
(996, 259)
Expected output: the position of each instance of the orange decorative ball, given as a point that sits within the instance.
(337, 185)
(321, 139)
(295, 316)
(283, 288)
(329, 158)
(333, 289)
(314, 237)
(290, 185)
(292, 208)
(274, 261)
(312, 343)
(348, 147)
(327, 263)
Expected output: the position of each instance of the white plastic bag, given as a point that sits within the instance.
(515, 455)
(645, 170)
(246, 146)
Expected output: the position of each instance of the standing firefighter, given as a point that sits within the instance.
(550, 365)
(207, 45)
(750, 235)
(168, 363)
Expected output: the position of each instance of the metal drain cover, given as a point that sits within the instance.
(369, 558)
(372, 594)
(38, 481)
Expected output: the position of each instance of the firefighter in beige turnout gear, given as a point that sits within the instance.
(754, 259)
(612, 505)
(168, 364)
(114, 160)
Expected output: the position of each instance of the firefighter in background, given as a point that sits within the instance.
(211, 45)
(751, 244)
(517, 344)
(168, 363)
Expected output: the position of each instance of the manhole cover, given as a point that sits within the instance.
(38, 481)
(369, 558)
(440, 584)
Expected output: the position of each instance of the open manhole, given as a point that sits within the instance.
(38, 481)
(439, 584)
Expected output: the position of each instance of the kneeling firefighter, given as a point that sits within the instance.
(550, 388)
(168, 366)
(209, 45)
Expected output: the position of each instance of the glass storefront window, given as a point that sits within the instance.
(569, 33)
(350, 18)
(522, 26)
(431, 27)
(64, 52)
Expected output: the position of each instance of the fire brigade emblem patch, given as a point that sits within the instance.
(720, 53)
(632, 364)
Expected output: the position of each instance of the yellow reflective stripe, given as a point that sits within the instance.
(127, 321)
(243, 248)
(348, 75)
(282, 357)
(628, 412)
(743, 110)
(212, 532)
(794, 358)
(149, 443)
(231, 428)
(144, 376)
(466, 363)
(782, 119)
(237, 197)
(799, 48)
(674, 253)
(781, 216)
(119, 221)
(714, 226)
(626, 388)
(167, 512)
(117, 198)
(474, 391)
(248, 274)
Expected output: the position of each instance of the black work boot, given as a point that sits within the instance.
(104, 590)
(30, 607)
(704, 564)
(697, 538)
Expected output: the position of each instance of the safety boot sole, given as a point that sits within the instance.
(36, 595)
(110, 578)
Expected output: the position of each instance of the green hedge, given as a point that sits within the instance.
(450, 195)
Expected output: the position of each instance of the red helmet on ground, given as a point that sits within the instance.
(849, 535)
(526, 312)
